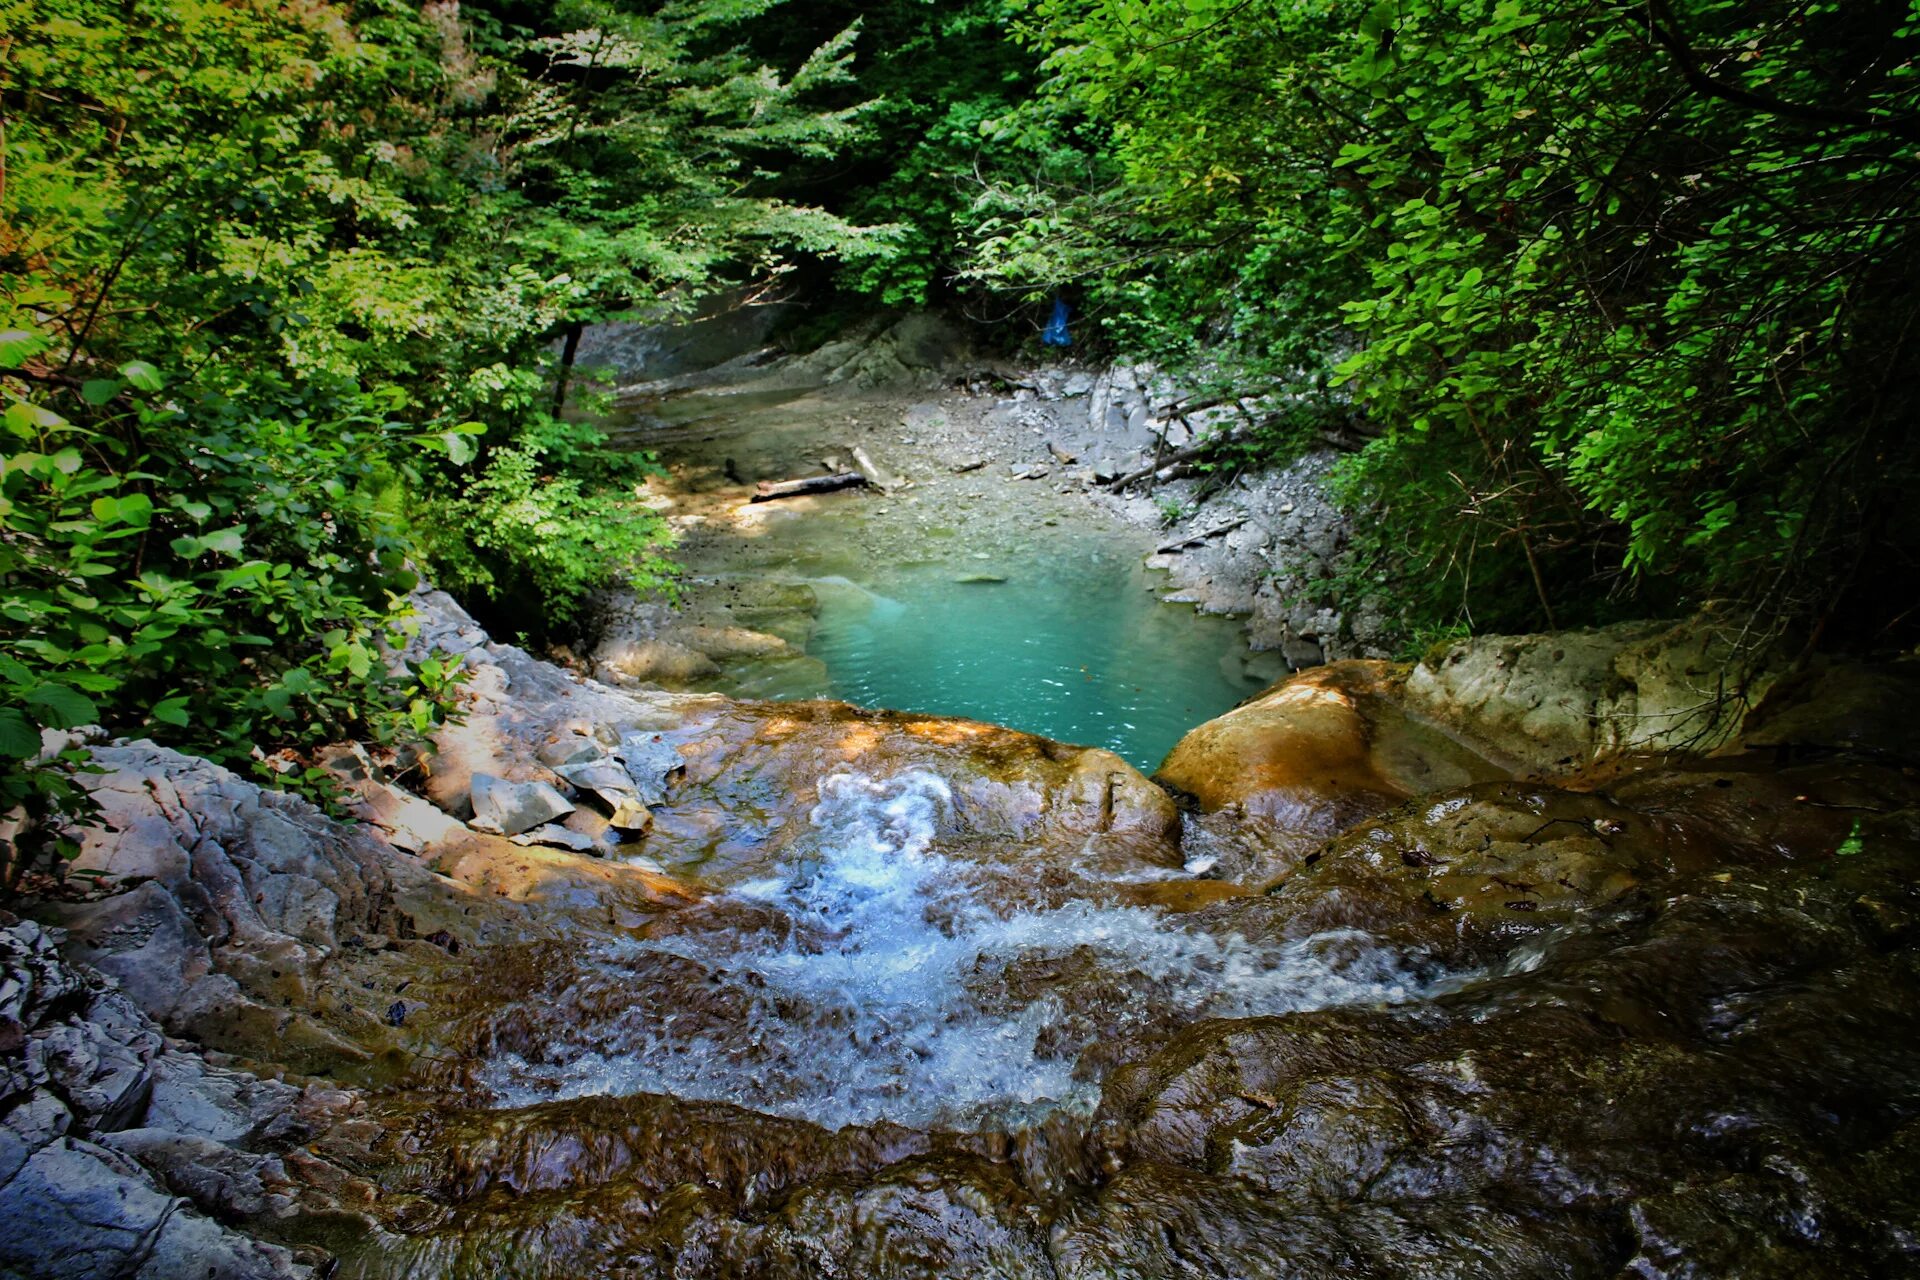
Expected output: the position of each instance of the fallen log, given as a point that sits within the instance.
(1171, 463)
(1176, 458)
(1196, 539)
(769, 490)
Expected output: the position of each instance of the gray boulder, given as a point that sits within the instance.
(90, 1104)
(508, 808)
(236, 899)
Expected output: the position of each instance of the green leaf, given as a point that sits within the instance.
(65, 708)
(17, 346)
(19, 739)
(228, 542)
(171, 711)
(97, 391)
(460, 449)
(141, 375)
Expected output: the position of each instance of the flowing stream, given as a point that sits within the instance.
(870, 977)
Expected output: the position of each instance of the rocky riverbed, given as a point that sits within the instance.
(842, 992)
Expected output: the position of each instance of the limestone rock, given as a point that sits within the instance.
(558, 836)
(1565, 700)
(88, 1100)
(609, 779)
(661, 661)
(411, 823)
(650, 761)
(272, 890)
(1318, 751)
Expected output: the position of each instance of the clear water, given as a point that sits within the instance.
(1072, 645)
(964, 597)
(875, 979)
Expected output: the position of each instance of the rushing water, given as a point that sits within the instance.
(869, 977)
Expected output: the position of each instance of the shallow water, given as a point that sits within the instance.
(964, 595)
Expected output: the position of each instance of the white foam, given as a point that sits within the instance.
(883, 1000)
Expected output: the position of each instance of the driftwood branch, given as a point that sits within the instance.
(770, 490)
(870, 470)
(1164, 461)
(1180, 544)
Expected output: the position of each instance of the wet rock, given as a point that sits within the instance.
(1317, 752)
(1851, 706)
(657, 661)
(727, 643)
(651, 762)
(1156, 1221)
(609, 780)
(1486, 865)
(920, 1220)
(1659, 1061)
(509, 808)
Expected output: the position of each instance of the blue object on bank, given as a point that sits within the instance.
(1055, 334)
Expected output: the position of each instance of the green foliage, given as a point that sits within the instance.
(550, 536)
(233, 589)
(279, 294)
(1624, 300)
(947, 101)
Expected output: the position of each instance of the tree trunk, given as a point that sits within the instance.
(568, 350)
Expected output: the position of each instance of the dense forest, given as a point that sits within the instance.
(1608, 305)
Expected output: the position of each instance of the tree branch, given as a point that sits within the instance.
(1666, 30)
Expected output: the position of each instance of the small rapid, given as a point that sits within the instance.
(872, 977)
